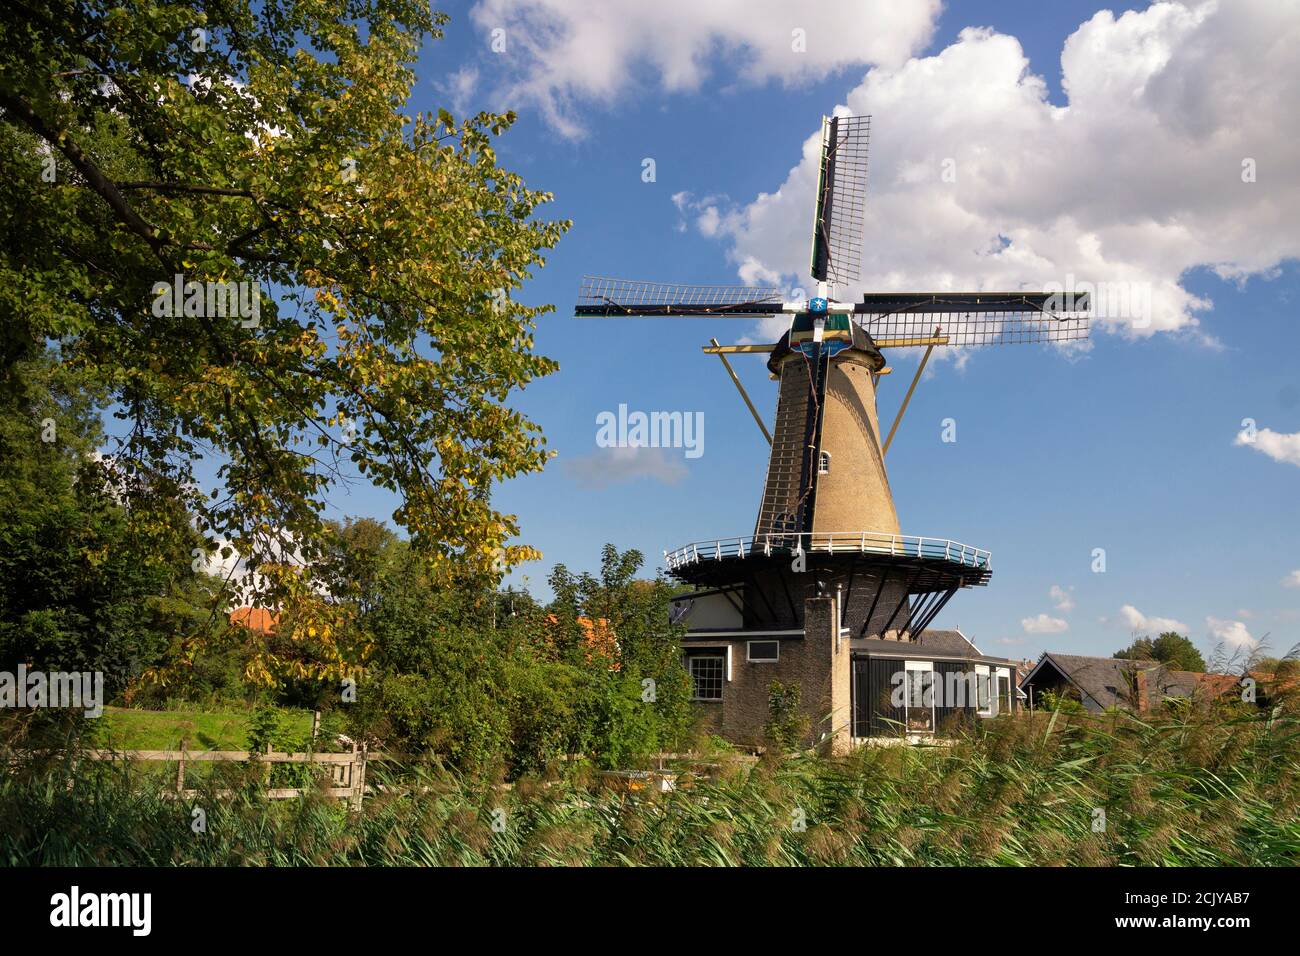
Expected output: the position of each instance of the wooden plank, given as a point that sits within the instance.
(279, 793)
(224, 755)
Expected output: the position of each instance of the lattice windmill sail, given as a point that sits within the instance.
(600, 296)
(840, 216)
(826, 497)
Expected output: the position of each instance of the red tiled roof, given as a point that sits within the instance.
(257, 619)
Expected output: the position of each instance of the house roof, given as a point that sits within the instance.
(1189, 683)
(598, 636)
(257, 619)
(1105, 680)
(931, 643)
(1109, 681)
(953, 643)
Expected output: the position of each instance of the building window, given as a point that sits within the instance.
(706, 676)
(763, 652)
(824, 463)
(983, 691)
(918, 701)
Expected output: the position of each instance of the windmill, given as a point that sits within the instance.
(826, 520)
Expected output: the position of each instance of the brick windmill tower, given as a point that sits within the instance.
(827, 529)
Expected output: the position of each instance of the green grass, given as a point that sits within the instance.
(1201, 788)
(124, 728)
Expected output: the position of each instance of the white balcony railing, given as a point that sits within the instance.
(831, 542)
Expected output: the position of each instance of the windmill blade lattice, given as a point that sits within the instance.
(602, 296)
(969, 318)
(840, 218)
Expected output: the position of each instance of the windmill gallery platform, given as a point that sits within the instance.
(828, 593)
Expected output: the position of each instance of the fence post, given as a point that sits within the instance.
(180, 769)
(358, 774)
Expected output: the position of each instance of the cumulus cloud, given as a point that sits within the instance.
(1276, 445)
(1174, 150)
(1044, 624)
(1139, 622)
(609, 466)
(1232, 633)
(1292, 580)
(560, 54)
(1062, 599)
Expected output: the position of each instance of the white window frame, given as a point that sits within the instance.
(1011, 689)
(920, 667)
(984, 678)
(722, 660)
(749, 653)
(824, 463)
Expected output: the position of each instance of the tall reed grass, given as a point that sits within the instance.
(1196, 788)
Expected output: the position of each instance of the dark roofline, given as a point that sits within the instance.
(918, 653)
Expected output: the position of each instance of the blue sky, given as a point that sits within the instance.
(1130, 447)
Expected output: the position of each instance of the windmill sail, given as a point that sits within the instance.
(840, 217)
(601, 296)
(972, 318)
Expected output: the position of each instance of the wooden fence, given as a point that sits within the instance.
(348, 770)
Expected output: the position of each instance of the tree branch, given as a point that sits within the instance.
(17, 107)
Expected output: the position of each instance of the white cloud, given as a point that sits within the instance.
(1233, 633)
(1044, 624)
(561, 53)
(609, 466)
(1292, 580)
(1062, 598)
(1278, 446)
(459, 87)
(1136, 180)
(1152, 626)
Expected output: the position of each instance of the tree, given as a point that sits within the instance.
(83, 590)
(259, 153)
(644, 703)
(1170, 648)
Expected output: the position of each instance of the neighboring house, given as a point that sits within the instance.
(1100, 683)
(847, 685)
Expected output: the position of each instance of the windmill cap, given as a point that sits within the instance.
(862, 343)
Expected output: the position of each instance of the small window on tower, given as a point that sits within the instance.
(824, 463)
